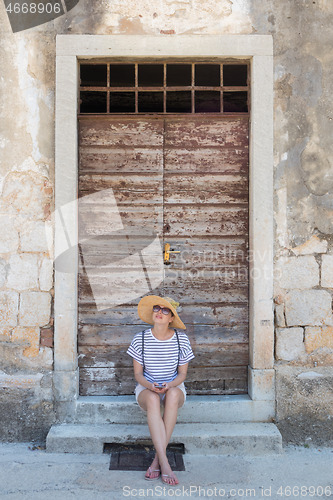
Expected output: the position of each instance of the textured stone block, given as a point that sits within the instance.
(313, 245)
(289, 343)
(327, 271)
(29, 193)
(308, 308)
(297, 272)
(8, 308)
(23, 272)
(317, 337)
(304, 404)
(35, 309)
(36, 236)
(9, 240)
(30, 335)
(3, 272)
(261, 384)
(5, 334)
(279, 315)
(46, 275)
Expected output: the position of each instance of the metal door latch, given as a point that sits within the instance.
(167, 253)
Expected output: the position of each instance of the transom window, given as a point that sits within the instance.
(134, 88)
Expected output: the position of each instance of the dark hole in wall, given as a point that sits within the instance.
(207, 101)
(93, 75)
(179, 75)
(234, 75)
(179, 102)
(122, 75)
(122, 102)
(235, 102)
(150, 102)
(93, 102)
(207, 75)
(150, 75)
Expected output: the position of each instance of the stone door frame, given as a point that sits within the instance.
(258, 49)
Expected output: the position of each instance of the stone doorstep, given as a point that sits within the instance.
(221, 439)
(197, 409)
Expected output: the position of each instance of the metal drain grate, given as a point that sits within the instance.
(139, 457)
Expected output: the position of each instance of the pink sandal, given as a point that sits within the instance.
(151, 471)
(167, 476)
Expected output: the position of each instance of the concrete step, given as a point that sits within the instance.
(198, 409)
(198, 438)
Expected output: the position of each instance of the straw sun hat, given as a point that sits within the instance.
(145, 309)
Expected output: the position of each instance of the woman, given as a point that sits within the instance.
(160, 358)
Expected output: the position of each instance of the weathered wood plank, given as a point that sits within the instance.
(127, 315)
(121, 132)
(91, 335)
(136, 219)
(127, 189)
(205, 220)
(137, 283)
(201, 188)
(103, 160)
(113, 356)
(113, 381)
(194, 133)
(217, 161)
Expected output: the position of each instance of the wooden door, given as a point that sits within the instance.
(149, 181)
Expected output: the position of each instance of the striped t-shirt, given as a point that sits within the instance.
(161, 356)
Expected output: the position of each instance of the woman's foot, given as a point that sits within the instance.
(168, 476)
(170, 479)
(153, 472)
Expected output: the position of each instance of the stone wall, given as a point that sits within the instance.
(303, 186)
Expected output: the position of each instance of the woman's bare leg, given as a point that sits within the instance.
(150, 402)
(174, 399)
(161, 429)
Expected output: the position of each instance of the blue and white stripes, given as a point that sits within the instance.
(160, 356)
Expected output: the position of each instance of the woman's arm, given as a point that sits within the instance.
(182, 372)
(141, 379)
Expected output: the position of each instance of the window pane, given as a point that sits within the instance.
(235, 75)
(150, 75)
(93, 75)
(122, 75)
(179, 75)
(150, 102)
(235, 102)
(179, 102)
(93, 102)
(207, 75)
(207, 101)
(122, 102)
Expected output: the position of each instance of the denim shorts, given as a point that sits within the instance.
(139, 388)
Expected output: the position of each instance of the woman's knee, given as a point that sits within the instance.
(149, 400)
(174, 396)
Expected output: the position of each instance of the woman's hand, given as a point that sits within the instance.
(158, 389)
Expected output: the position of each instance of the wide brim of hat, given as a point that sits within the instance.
(145, 310)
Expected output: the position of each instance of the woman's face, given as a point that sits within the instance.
(160, 318)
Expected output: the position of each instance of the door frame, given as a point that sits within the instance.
(258, 49)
